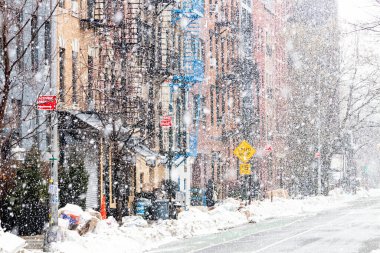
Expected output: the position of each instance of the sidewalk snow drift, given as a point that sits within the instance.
(138, 235)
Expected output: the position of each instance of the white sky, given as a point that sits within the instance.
(355, 11)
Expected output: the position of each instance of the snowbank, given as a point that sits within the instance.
(266, 209)
(137, 235)
(10, 243)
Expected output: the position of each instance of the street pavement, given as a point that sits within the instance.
(353, 228)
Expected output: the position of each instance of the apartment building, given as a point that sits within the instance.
(111, 62)
(270, 92)
(226, 107)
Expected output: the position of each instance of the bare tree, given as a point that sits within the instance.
(24, 69)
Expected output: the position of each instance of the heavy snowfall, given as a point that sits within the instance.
(189, 126)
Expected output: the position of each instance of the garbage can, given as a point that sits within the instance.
(175, 210)
(160, 209)
(142, 206)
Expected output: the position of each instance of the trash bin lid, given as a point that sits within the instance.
(162, 201)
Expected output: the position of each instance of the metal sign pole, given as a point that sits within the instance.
(170, 153)
(52, 232)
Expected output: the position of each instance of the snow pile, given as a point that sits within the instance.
(266, 209)
(138, 235)
(10, 243)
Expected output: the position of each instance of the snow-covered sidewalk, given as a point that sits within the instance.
(136, 235)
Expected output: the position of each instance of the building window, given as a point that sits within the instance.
(158, 57)
(179, 183)
(218, 100)
(104, 96)
(178, 123)
(211, 42)
(216, 8)
(218, 168)
(90, 9)
(61, 3)
(34, 43)
(196, 105)
(223, 105)
(233, 49)
(47, 41)
(20, 43)
(203, 107)
(180, 52)
(1, 50)
(90, 69)
(75, 75)
(184, 184)
(213, 164)
(216, 55)
(202, 50)
(269, 93)
(141, 180)
(229, 56)
(62, 74)
(222, 56)
(212, 105)
(123, 80)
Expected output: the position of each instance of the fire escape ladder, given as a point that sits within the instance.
(99, 11)
(131, 40)
(165, 42)
(132, 22)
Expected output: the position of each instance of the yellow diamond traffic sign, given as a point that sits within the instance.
(245, 169)
(244, 151)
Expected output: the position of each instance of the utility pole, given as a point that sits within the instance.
(51, 234)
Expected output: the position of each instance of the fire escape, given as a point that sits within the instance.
(117, 35)
(191, 73)
(130, 39)
(117, 27)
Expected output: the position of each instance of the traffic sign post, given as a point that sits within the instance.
(245, 169)
(244, 151)
(268, 148)
(166, 121)
(49, 103)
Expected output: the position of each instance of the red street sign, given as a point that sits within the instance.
(317, 155)
(166, 121)
(269, 148)
(46, 103)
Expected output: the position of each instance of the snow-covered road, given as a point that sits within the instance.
(352, 228)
